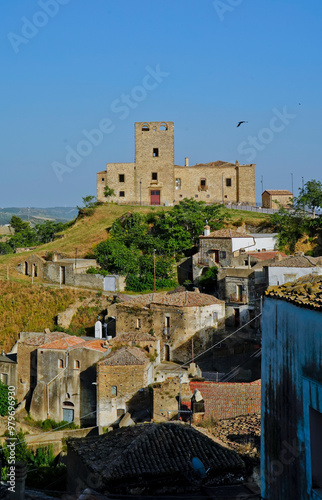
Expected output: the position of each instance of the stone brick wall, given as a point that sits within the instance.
(26, 369)
(227, 400)
(165, 398)
(128, 380)
(185, 323)
(269, 201)
(229, 183)
(162, 165)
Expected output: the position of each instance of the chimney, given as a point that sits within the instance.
(186, 162)
(196, 290)
(206, 231)
(237, 163)
(278, 257)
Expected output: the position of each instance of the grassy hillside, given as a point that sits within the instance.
(26, 308)
(89, 231)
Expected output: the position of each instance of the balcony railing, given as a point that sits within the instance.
(238, 299)
(203, 188)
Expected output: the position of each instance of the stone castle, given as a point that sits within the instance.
(154, 179)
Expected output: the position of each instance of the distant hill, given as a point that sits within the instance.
(37, 215)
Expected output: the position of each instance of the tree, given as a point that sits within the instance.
(18, 224)
(4, 401)
(47, 230)
(310, 196)
(108, 192)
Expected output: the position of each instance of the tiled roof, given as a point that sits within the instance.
(44, 338)
(304, 292)
(179, 299)
(126, 356)
(151, 451)
(95, 345)
(133, 337)
(64, 343)
(278, 191)
(227, 233)
(296, 261)
(265, 255)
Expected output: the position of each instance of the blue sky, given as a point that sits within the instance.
(66, 65)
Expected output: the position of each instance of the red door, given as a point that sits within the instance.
(155, 198)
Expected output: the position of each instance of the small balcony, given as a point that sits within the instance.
(237, 299)
(203, 188)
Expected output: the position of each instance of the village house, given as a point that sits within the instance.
(154, 179)
(67, 271)
(229, 248)
(121, 381)
(274, 198)
(8, 369)
(176, 318)
(291, 440)
(291, 268)
(66, 378)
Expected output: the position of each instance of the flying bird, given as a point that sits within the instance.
(239, 123)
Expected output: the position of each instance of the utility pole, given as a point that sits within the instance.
(154, 281)
(222, 189)
(292, 183)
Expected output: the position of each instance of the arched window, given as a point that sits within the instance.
(163, 126)
(145, 127)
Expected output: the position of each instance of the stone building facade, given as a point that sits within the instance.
(154, 179)
(273, 198)
(66, 376)
(177, 319)
(67, 271)
(120, 377)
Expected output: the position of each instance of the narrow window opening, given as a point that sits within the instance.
(154, 176)
(60, 363)
(178, 183)
(76, 364)
(145, 127)
(122, 194)
(228, 182)
(155, 152)
(114, 390)
(138, 323)
(121, 178)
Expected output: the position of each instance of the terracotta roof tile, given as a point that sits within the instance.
(296, 261)
(44, 338)
(126, 356)
(227, 233)
(266, 255)
(133, 337)
(304, 292)
(179, 299)
(278, 192)
(64, 343)
(152, 451)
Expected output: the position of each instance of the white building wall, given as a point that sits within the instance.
(257, 242)
(281, 275)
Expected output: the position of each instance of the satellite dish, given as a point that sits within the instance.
(199, 467)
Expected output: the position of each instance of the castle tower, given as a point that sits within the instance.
(154, 162)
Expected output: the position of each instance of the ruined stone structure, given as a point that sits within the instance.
(176, 319)
(154, 179)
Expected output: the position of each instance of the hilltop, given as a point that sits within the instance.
(91, 230)
(37, 215)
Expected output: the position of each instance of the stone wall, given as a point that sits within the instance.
(269, 200)
(154, 154)
(228, 400)
(166, 398)
(185, 323)
(146, 163)
(73, 384)
(9, 370)
(127, 380)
